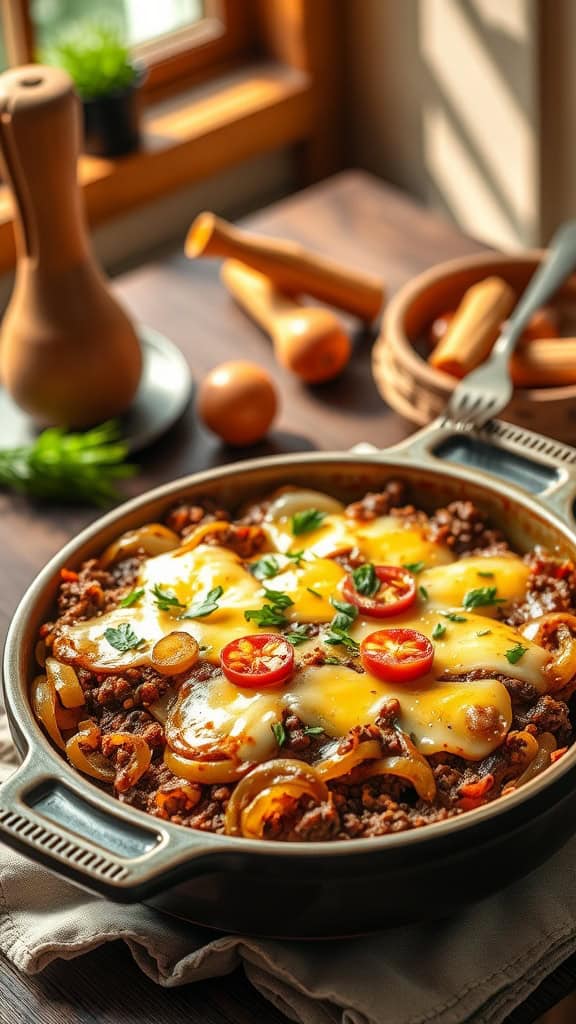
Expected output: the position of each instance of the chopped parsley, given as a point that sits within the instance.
(297, 635)
(413, 566)
(279, 733)
(205, 607)
(338, 628)
(314, 592)
(132, 598)
(454, 617)
(438, 631)
(423, 593)
(332, 661)
(296, 556)
(339, 636)
(487, 575)
(268, 615)
(265, 568)
(513, 654)
(313, 730)
(278, 598)
(306, 520)
(483, 632)
(165, 600)
(479, 596)
(365, 580)
(123, 638)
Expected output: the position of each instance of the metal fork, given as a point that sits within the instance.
(484, 392)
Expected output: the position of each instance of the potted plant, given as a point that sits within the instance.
(106, 79)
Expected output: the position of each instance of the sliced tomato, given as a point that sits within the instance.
(397, 591)
(397, 655)
(258, 661)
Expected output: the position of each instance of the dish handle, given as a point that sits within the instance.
(533, 462)
(72, 831)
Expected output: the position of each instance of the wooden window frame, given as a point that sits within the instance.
(275, 82)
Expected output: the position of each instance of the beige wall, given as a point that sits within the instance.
(445, 101)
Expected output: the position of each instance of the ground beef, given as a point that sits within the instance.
(378, 503)
(551, 587)
(462, 527)
(548, 715)
(184, 518)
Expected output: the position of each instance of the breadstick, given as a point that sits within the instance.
(475, 327)
(544, 362)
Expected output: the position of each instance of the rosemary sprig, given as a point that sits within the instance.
(68, 467)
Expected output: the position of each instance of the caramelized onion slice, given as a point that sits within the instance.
(413, 769)
(335, 765)
(152, 538)
(128, 775)
(555, 632)
(288, 501)
(43, 696)
(159, 709)
(266, 790)
(186, 792)
(176, 652)
(546, 746)
(209, 772)
(64, 679)
(197, 536)
(92, 762)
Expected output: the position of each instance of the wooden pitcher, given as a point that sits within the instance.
(69, 355)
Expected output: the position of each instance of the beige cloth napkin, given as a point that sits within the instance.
(475, 968)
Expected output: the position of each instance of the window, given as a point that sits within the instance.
(140, 20)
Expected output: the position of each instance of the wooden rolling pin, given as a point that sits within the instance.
(69, 355)
(544, 362)
(290, 266)
(308, 340)
(474, 327)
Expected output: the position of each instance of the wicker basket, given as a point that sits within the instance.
(419, 392)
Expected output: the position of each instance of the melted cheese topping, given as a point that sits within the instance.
(440, 710)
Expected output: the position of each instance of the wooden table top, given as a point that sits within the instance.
(358, 220)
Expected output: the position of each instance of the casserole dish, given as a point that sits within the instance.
(526, 485)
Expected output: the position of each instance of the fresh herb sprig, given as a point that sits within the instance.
(306, 520)
(338, 630)
(123, 637)
(265, 568)
(513, 654)
(480, 596)
(206, 606)
(132, 598)
(165, 600)
(79, 467)
(365, 580)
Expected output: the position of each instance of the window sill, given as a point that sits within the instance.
(188, 138)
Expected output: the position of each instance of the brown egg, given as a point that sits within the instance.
(238, 401)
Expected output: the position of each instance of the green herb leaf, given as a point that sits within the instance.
(296, 556)
(479, 596)
(332, 661)
(132, 598)
(488, 575)
(206, 606)
(438, 631)
(454, 617)
(123, 637)
(413, 566)
(423, 593)
(306, 520)
(513, 654)
(297, 635)
(365, 580)
(278, 598)
(313, 730)
(314, 592)
(483, 632)
(68, 467)
(346, 614)
(165, 600)
(268, 615)
(339, 636)
(279, 733)
(265, 568)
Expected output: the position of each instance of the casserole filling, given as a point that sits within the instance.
(311, 671)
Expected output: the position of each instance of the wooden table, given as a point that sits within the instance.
(359, 220)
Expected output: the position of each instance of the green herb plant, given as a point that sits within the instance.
(96, 58)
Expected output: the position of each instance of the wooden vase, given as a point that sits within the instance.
(69, 354)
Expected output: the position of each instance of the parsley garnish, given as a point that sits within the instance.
(454, 617)
(265, 568)
(306, 520)
(297, 635)
(488, 575)
(132, 598)
(296, 556)
(438, 631)
(278, 598)
(165, 600)
(205, 607)
(423, 593)
(268, 615)
(479, 596)
(332, 661)
(513, 654)
(279, 733)
(338, 629)
(123, 638)
(365, 580)
(339, 636)
(483, 632)
(413, 566)
(313, 730)
(314, 592)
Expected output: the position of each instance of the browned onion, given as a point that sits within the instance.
(555, 632)
(152, 538)
(414, 769)
(208, 772)
(546, 746)
(335, 765)
(176, 652)
(64, 679)
(159, 709)
(43, 695)
(266, 790)
(92, 763)
(139, 763)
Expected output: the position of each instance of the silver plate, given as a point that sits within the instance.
(161, 398)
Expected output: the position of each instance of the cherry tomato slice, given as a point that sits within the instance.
(258, 661)
(397, 591)
(397, 655)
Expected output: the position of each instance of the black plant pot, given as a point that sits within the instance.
(111, 123)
